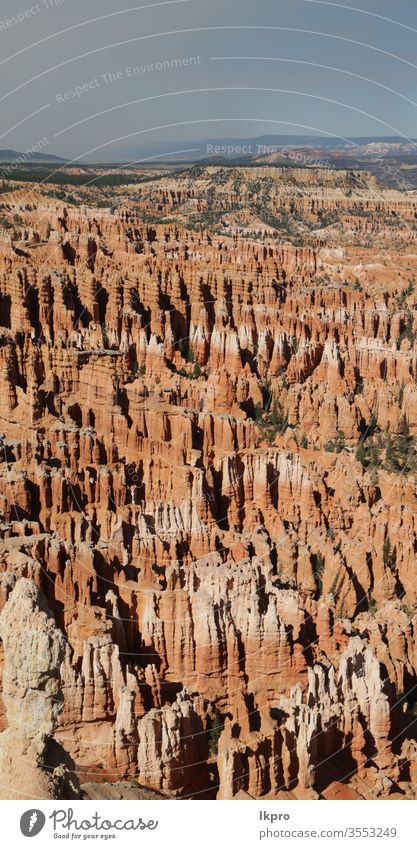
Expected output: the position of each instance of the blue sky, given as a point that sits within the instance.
(204, 68)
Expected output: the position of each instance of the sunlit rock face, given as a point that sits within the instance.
(32, 764)
(207, 468)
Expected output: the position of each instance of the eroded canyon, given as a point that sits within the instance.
(207, 468)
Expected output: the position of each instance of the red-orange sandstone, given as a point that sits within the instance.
(179, 428)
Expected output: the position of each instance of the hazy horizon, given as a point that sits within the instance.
(258, 145)
(104, 82)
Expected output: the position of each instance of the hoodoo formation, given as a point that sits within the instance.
(208, 425)
(31, 761)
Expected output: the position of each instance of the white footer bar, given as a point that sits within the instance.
(215, 825)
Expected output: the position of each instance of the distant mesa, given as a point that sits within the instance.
(15, 156)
